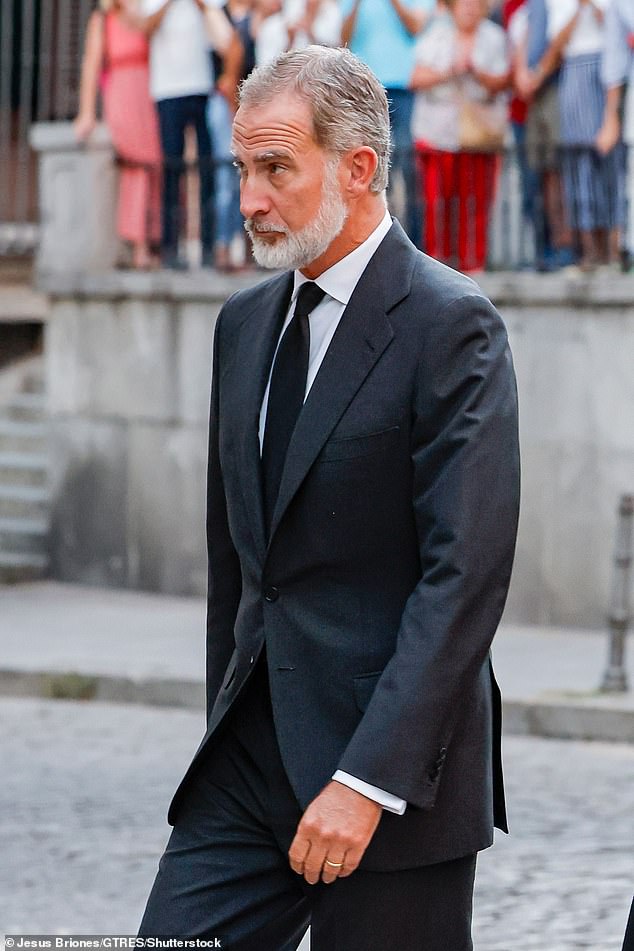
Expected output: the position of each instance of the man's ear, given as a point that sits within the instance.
(359, 168)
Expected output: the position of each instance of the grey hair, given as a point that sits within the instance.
(349, 105)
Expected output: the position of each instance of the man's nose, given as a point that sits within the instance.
(253, 198)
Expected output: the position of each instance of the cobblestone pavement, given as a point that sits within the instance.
(82, 823)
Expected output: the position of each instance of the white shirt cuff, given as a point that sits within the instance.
(385, 799)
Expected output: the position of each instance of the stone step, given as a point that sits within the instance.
(22, 436)
(24, 535)
(24, 501)
(22, 566)
(26, 406)
(23, 468)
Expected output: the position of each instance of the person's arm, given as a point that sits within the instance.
(610, 131)
(224, 576)
(321, 23)
(232, 62)
(493, 83)
(465, 457)
(219, 30)
(424, 77)
(412, 18)
(349, 24)
(497, 76)
(92, 64)
(614, 74)
(551, 60)
(598, 12)
(526, 83)
(146, 24)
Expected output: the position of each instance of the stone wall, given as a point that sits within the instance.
(128, 362)
(128, 365)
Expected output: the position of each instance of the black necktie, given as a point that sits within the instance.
(286, 393)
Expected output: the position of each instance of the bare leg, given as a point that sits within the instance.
(141, 257)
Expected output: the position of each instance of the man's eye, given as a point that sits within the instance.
(275, 168)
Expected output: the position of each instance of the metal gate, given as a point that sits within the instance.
(40, 59)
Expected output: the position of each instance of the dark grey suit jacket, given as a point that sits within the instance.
(384, 578)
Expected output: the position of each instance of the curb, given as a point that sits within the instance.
(561, 719)
(568, 720)
(58, 685)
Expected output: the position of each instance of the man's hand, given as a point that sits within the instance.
(337, 825)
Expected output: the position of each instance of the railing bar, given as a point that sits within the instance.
(6, 114)
(45, 60)
(23, 152)
(59, 110)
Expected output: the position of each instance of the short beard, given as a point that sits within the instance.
(298, 249)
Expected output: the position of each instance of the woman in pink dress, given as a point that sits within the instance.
(116, 61)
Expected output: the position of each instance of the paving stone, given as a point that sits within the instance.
(85, 787)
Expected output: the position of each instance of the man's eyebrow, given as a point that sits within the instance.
(263, 157)
(271, 155)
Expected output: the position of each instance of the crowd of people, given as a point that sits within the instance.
(468, 81)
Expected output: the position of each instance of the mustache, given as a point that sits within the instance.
(255, 227)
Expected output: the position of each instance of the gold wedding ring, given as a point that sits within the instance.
(334, 864)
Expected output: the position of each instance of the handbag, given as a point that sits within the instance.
(480, 129)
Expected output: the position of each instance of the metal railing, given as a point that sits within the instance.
(510, 212)
(40, 57)
(619, 617)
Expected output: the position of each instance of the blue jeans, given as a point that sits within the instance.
(228, 217)
(401, 104)
(174, 116)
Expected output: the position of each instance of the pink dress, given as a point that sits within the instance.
(133, 123)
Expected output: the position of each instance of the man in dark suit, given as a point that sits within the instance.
(362, 509)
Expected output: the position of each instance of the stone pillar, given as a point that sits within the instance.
(78, 200)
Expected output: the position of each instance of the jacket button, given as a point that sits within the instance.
(271, 593)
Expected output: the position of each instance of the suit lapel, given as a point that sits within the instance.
(362, 336)
(254, 354)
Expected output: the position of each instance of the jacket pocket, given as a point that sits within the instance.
(363, 687)
(350, 447)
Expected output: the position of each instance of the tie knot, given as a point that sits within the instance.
(309, 296)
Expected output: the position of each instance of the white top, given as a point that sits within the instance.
(560, 12)
(435, 117)
(339, 281)
(272, 38)
(180, 64)
(587, 37)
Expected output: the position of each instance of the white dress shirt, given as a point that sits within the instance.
(339, 281)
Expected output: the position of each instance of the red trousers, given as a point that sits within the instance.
(457, 190)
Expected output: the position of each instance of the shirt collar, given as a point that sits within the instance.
(340, 280)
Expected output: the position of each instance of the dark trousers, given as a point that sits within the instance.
(174, 117)
(225, 872)
(401, 106)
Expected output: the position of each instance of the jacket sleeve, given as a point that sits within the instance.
(224, 576)
(465, 458)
